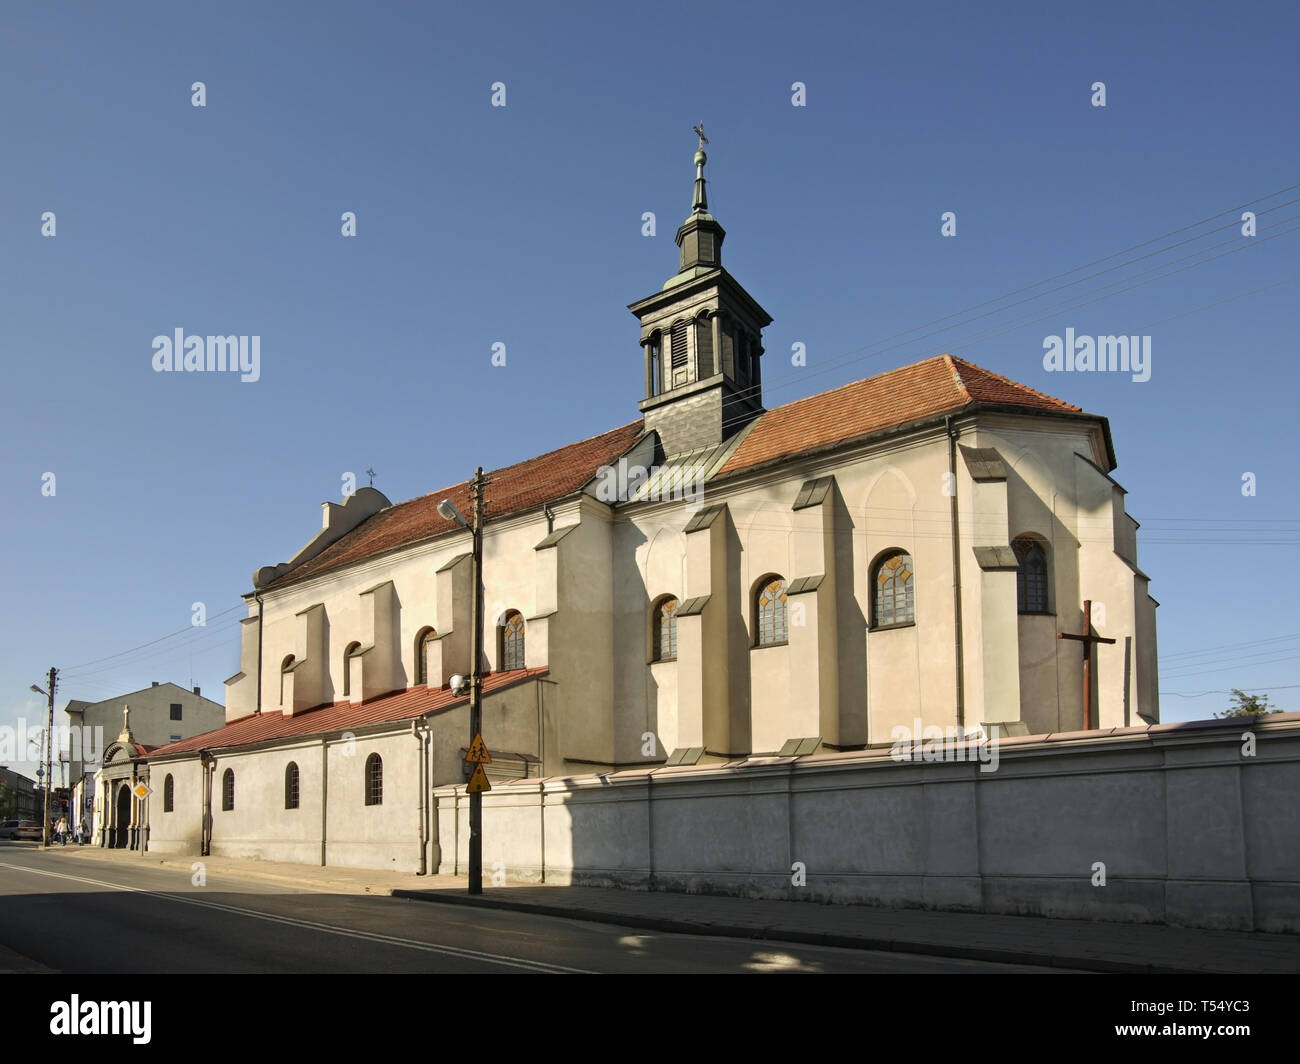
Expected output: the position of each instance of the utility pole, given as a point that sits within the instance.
(49, 743)
(476, 487)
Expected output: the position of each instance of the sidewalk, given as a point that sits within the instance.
(303, 877)
(1075, 944)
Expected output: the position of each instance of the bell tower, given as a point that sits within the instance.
(702, 338)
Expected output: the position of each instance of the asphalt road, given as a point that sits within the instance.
(88, 916)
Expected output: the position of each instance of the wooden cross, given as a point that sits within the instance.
(1087, 639)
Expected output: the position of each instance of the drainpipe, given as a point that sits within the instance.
(205, 828)
(550, 518)
(541, 736)
(419, 775)
(257, 597)
(324, 793)
(956, 573)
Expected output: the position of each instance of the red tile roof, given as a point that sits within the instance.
(936, 386)
(515, 488)
(339, 716)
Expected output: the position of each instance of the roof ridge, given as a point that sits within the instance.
(956, 375)
(1013, 382)
(507, 468)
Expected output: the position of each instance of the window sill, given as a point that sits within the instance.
(767, 646)
(891, 627)
(662, 661)
(1037, 613)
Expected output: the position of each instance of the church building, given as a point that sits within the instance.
(709, 582)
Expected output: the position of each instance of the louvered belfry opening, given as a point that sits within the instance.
(679, 352)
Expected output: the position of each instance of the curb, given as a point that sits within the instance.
(812, 938)
(185, 863)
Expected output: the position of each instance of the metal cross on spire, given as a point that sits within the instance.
(371, 474)
(699, 132)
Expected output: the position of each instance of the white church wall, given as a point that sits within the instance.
(1061, 827)
(581, 641)
(181, 830)
(649, 563)
(374, 836)
(905, 665)
(766, 529)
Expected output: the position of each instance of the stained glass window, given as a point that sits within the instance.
(512, 641)
(894, 601)
(666, 630)
(773, 624)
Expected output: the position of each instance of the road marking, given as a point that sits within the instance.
(311, 925)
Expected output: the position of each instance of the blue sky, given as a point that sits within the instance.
(522, 225)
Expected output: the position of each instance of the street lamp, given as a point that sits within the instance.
(449, 512)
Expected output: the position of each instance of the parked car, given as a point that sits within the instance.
(20, 829)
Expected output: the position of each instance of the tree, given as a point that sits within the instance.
(1249, 706)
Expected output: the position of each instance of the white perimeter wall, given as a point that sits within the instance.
(1190, 829)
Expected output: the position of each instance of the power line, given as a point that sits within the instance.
(1243, 690)
(142, 646)
(836, 360)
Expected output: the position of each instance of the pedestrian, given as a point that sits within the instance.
(83, 833)
(61, 831)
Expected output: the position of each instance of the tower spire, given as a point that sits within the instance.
(700, 202)
(700, 236)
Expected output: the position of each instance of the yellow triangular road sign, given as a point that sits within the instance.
(478, 783)
(478, 751)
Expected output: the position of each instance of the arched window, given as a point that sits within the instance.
(423, 638)
(1031, 577)
(771, 613)
(291, 785)
(228, 790)
(512, 641)
(286, 667)
(348, 651)
(704, 345)
(374, 780)
(169, 794)
(664, 619)
(656, 363)
(892, 598)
